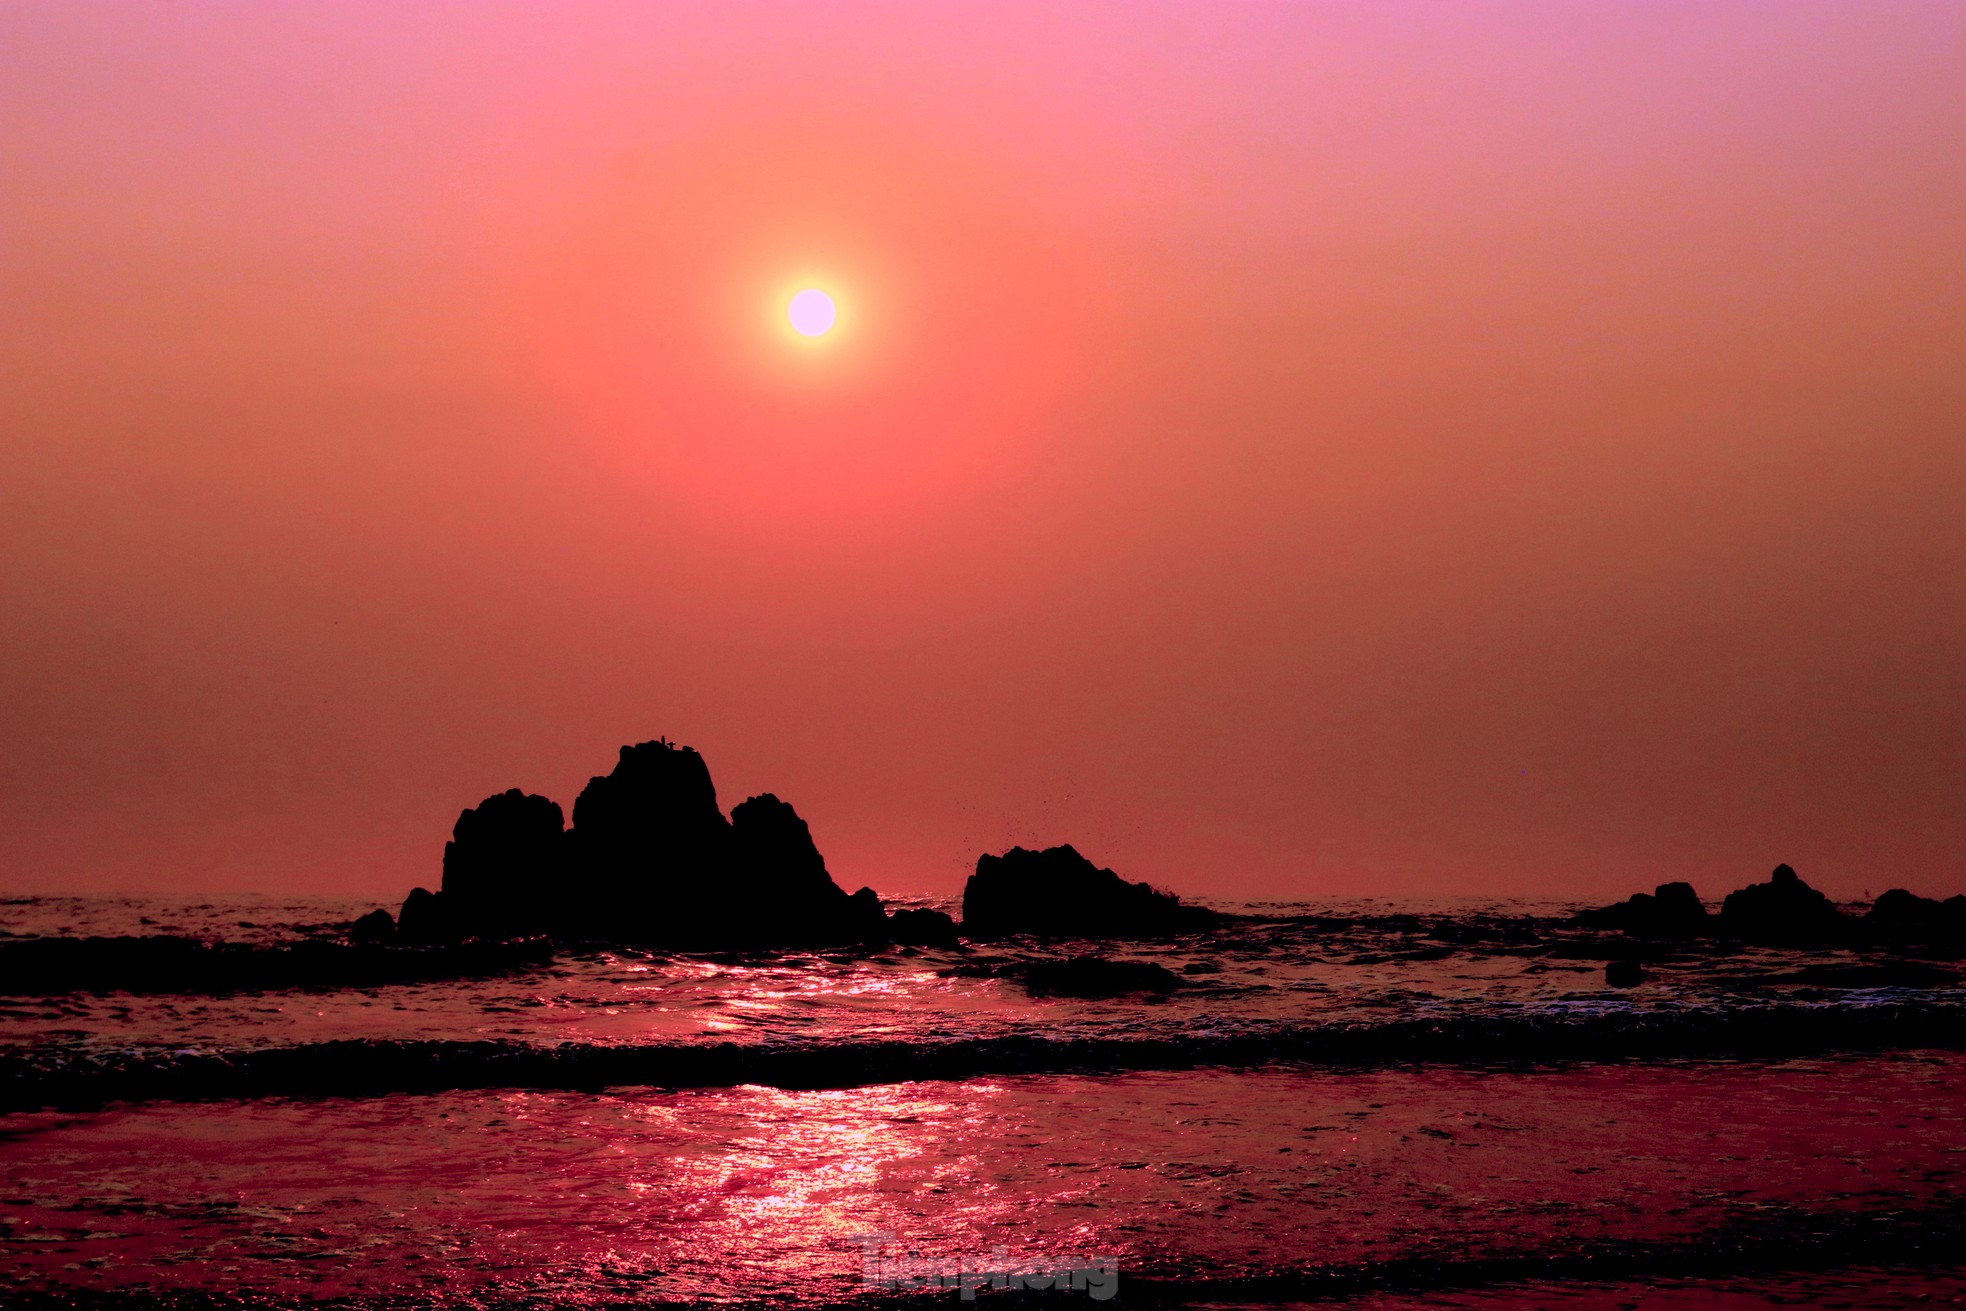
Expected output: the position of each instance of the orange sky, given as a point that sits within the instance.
(1295, 450)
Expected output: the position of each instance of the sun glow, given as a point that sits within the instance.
(812, 313)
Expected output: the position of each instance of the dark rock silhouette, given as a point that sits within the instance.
(922, 928)
(1784, 910)
(1625, 973)
(504, 856)
(1092, 976)
(791, 897)
(424, 919)
(651, 852)
(375, 929)
(1672, 910)
(1901, 916)
(649, 858)
(1057, 892)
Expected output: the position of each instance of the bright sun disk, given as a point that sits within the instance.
(812, 312)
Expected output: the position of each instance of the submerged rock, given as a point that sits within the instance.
(1624, 974)
(1093, 976)
(1057, 892)
(1672, 910)
(1782, 910)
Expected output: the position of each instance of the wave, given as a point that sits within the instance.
(71, 1077)
(39, 967)
(1793, 1253)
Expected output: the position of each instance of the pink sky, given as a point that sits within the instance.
(1295, 450)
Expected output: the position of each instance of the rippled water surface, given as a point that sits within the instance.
(1592, 1163)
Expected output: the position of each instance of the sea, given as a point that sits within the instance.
(1369, 1104)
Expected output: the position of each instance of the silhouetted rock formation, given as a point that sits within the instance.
(650, 858)
(1782, 910)
(1058, 892)
(424, 919)
(652, 853)
(1672, 910)
(375, 929)
(1091, 976)
(1901, 916)
(502, 856)
(922, 928)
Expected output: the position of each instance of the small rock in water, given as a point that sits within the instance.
(375, 929)
(922, 928)
(1624, 974)
(1059, 893)
(1092, 976)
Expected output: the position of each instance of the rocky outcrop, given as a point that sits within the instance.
(425, 919)
(375, 929)
(650, 854)
(504, 860)
(1784, 910)
(1902, 916)
(1671, 910)
(1059, 893)
(650, 858)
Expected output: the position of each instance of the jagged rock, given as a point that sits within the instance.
(1092, 976)
(425, 918)
(1901, 916)
(1624, 974)
(649, 858)
(503, 864)
(650, 850)
(867, 916)
(922, 928)
(1672, 910)
(1058, 892)
(375, 929)
(1782, 910)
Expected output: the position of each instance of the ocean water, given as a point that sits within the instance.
(1361, 1105)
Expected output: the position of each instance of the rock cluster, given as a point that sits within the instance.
(1783, 911)
(649, 858)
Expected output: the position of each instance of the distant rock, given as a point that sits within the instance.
(1059, 893)
(649, 859)
(504, 865)
(922, 928)
(1784, 910)
(1092, 976)
(1672, 910)
(375, 929)
(1901, 916)
(1624, 973)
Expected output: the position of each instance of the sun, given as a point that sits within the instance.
(812, 313)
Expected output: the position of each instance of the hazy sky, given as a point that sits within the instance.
(1286, 450)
